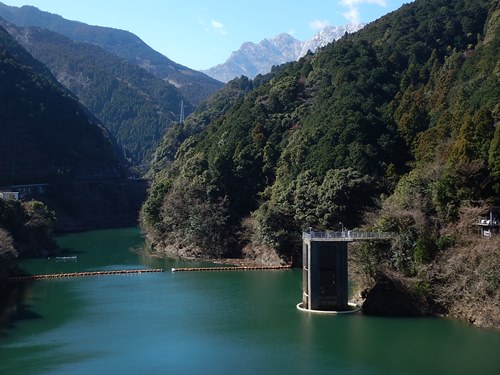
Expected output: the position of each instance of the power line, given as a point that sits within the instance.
(181, 119)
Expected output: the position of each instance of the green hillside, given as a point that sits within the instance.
(394, 127)
(44, 130)
(134, 105)
(207, 111)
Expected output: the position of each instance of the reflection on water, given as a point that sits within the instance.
(214, 322)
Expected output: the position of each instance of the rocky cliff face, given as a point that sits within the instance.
(328, 35)
(252, 59)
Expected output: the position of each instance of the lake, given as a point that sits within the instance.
(211, 322)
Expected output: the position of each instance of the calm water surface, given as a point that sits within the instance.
(212, 323)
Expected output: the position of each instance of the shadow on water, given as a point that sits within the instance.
(39, 306)
(13, 306)
(14, 309)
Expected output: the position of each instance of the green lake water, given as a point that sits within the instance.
(211, 323)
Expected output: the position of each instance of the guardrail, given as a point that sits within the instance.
(347, 235)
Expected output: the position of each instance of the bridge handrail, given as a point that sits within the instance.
(348, 235)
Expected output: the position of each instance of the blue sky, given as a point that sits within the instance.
(200, 34)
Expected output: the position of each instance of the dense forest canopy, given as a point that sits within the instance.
(44, 130)
(395, 127)
(317, 142)
(136, 106)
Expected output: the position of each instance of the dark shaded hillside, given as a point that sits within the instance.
(44, 130)
(394, 127)
(48, 137)
(194, 85)
(135, 106)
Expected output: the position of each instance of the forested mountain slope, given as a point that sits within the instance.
(399, 120)
(209, 110)
(194, 85)
(44, 130)
(136, 106)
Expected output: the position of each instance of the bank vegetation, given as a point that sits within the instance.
(393, 128)
(26, 230)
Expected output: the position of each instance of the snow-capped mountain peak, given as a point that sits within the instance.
(252, 59)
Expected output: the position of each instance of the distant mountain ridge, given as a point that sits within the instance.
(328, 35)
(194, 85)
(252, 59)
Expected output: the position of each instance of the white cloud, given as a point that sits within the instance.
(352, 14)
(211, 26)
(218, 26)
(317, 25)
